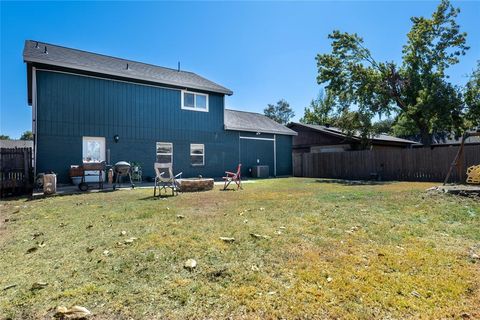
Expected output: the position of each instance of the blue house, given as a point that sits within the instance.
(88, 107)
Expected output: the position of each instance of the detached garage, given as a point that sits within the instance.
(261, 142)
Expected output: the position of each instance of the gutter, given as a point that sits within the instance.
(34, 120)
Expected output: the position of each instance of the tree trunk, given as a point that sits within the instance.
(425, 136)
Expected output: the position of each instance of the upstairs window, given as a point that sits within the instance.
(197, 154)
(194, 101)
(164, 152)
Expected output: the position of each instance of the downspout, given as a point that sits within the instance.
(275, 155)
(34, 120)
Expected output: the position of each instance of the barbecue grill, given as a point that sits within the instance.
(122, 169)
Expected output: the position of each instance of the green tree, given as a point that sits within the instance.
(416, 90)
(384, 126)
(404, 127)
(27, 135)
(4, 137)
(472, 97)
(321, 111)
(357, 123)
(281, 112)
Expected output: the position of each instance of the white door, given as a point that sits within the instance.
(93, 150)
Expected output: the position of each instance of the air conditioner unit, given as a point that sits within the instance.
(261, 171)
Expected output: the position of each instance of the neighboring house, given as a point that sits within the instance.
(16, 144)
(316, 138)
(92, 107)
(453, 141)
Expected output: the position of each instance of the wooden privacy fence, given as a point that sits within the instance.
(16, 173)
(417, 164)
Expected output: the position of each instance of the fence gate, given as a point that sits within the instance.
(16, 172)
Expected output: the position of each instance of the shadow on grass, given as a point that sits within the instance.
(228, 189)
(60, 194)
(158, 197)
(354, 182)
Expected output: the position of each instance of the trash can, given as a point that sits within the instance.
(49, 184)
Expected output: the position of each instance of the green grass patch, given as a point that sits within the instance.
(331, 251)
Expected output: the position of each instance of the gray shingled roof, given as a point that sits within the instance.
(34, 52)
(453, 140)
(339, 133)
(254, 122)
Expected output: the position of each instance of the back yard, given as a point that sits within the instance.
(318, 250)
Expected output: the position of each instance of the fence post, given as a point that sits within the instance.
(301, 165)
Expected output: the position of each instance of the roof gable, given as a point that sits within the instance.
(44, 53)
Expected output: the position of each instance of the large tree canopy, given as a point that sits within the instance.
(472, 97)
(281, 112)
(320, 111)
(417, 89)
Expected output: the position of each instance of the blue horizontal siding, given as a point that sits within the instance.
(72, 106)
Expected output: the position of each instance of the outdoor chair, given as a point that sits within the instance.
(165, 179)
(235, 177)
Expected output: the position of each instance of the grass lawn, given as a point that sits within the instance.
(330, 251)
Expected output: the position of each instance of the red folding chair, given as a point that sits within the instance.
(233, 177)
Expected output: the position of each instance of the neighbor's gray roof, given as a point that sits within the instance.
(34, 51)
(453, 140)
(16, 144)
(339, 133)
(254, 122)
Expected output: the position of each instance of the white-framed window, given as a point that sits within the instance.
(197, 154)
(194, 101)
(164, 152)
(93, 149)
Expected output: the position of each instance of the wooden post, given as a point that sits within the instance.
(26, 171)
(302, 172)
(455, 161)
(460, 157)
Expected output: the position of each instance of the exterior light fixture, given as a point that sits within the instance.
(116, 138)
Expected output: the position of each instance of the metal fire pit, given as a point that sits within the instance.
(122, 169)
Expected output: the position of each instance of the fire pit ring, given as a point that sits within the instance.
(195, 184)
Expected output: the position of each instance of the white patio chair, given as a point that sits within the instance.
(165, 179)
